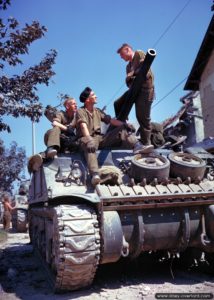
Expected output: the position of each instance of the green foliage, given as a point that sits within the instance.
(12, 162)
(18, 94)
(4, 4)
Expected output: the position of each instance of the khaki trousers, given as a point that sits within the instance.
(118, 137)
(143, 103)
(52, 137)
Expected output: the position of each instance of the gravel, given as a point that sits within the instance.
(22, 277)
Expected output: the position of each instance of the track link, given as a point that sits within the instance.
(68, 241)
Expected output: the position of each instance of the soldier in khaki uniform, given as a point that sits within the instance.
(88, 126)
(144, 98)
(63, 122)
(7, 212)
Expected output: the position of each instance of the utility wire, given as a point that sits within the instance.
(155, 44)
(177, 85)
(170, 25)
(113, 97)
(172, 90)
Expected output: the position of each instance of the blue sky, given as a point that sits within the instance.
(86, 35)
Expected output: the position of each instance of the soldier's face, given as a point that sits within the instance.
(72, 106)
(92, 97)
(124, 54)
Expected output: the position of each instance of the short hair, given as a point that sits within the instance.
(124, 46)
(85, 94)
(67, 100)
(6, 196)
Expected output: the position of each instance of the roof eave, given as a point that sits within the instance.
(201, 60)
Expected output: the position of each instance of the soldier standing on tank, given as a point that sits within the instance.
(88, 126)
(63, 122)
(7, 212)
(144, 98)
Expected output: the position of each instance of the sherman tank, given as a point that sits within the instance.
(162, 201)
(20, 214)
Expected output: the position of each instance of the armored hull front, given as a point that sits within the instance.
(140, 206)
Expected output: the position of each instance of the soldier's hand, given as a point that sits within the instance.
(90, 144)
(70, 130)
(129, 127)
(91, 147)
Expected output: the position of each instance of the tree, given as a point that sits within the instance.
(12, 162)
(18, 93)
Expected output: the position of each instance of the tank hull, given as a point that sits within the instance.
(75, 227)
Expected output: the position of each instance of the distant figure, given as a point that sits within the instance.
(63, 122)
(88, 124)
(7, 211)
(144, 98)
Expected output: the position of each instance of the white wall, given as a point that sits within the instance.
(207, 97)
(199, 124)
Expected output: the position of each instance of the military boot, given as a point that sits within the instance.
(144, 149)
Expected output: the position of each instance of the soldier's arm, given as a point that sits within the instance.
(10, 206)
(55, 123)
(84, 129)
(129, 78)
(141, 57)
(116, 122)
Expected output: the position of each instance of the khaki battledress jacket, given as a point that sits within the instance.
(143, 99)
(52, 136)
(114, 138)
(133, 68)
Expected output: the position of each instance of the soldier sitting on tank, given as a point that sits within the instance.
(63, 127)
(88, 124)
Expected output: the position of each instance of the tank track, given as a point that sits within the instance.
(67, 240)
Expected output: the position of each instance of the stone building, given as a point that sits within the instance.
(201, 78)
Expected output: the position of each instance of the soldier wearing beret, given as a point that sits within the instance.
(144, 98)
(88, 126)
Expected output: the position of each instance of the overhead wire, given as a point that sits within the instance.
(170, 25)
(155, 44)
(113, 97)
(170, 92)
(203, 62)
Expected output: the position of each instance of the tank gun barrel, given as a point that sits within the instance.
(135, 88)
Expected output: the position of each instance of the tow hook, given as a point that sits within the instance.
(125, 248)
(204, 238)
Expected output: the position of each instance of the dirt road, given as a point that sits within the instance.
(22, 277)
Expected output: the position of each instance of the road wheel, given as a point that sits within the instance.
(186, 165)
(150, 167)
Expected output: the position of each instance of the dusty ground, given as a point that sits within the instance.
(22, 277)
